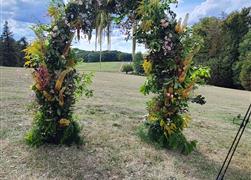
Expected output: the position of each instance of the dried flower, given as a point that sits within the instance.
(41, 77)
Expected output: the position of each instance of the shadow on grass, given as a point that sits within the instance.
(197, 164)
(205, 168)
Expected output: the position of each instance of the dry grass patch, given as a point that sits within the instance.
(112, 149)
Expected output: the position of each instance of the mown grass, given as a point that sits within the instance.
(113, 149)
(104, 67)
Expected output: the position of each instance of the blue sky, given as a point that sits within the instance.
(21, 14)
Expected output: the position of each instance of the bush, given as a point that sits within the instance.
(138, 63)
(127, 68)
(245, 75)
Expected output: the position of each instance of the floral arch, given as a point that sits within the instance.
(168, 66)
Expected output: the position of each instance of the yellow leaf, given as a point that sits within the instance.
(170, 128)
(52, 11)
(35, 51)
(152, 118)
(147, 65)
(162, 123)
(61, 96)
(64, 122)
(47, 96)
(186, 120)
(61, 77)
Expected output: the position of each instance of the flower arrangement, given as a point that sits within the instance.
(57, 85)
(170, 72)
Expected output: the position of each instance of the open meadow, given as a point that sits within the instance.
(110, 122)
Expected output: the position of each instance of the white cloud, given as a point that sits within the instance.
(23, 13)
(216, 7)
(21, 29)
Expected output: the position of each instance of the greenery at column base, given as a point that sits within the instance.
(175, 141)
(49, 132)
(154, 134)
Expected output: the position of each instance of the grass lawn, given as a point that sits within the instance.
(105, 66)
(112, 149)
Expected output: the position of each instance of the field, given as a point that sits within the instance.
(113, 148)
(105, 66)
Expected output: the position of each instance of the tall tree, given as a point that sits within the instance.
(21, 44)
(221, 49)
(209, 29)
(8, 47)
(234, 28)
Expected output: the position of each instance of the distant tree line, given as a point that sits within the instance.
(11, 53)
(106, 56)
(226, 48)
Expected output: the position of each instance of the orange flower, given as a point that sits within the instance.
(187, 91)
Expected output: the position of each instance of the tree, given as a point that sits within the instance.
(21, 44)
(224, 47)
(8, 49)
(209, 29)
(125, 57)
(138, 63)
(234, 28)
(244, 50)
(245, 75)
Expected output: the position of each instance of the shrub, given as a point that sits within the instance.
(138, 63)
(245, 75)
(127, 68)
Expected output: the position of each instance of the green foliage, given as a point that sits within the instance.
(171, 74)
(82, 85)
(245, 75)
(176, 141)
(57, 85)
(11, 50)
(127, 68)
(126, 57)
(149, 86)
(245, 55)
(226, 42)
(169, 67)
(236, 68)
(138, 63)
(245, 46)
(47, 131)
